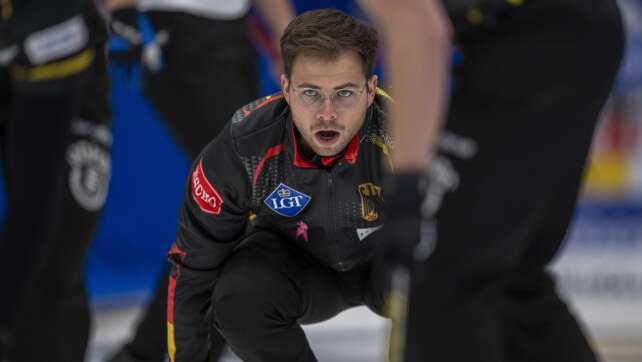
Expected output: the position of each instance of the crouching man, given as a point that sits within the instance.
(279, 212)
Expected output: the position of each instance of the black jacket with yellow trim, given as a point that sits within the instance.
(253, 176)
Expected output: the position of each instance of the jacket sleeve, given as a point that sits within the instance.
(212, 220)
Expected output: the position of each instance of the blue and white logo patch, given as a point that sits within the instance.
(287, 201)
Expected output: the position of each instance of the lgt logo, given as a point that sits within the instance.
(287, 201)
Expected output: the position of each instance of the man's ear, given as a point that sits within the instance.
(372, 88)
(285, 87)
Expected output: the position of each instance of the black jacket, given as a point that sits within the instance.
(253, 176)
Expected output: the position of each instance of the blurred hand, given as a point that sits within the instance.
(134, 42)
(125, 45)
(401, 234)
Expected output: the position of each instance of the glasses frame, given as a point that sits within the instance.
(324, 94)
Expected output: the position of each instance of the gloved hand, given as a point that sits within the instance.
(134, 43)
(401, 235)
(399, 248)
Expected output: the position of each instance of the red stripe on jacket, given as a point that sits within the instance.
(271, 152)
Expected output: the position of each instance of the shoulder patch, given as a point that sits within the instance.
(287, 201)
(203, 193)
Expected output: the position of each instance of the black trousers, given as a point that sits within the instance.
(268, 287)
(209, 72)
(520, 123)
(55, 144)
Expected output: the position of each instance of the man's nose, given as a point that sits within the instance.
(326, 109)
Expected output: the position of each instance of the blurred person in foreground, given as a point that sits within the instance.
(55, 147)
(476, 212)
(199, 66)
(280, 209)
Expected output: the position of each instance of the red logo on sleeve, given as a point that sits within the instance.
(204, 193)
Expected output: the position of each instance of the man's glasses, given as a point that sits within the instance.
(341, 99)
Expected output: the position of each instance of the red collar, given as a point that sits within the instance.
(349, 155)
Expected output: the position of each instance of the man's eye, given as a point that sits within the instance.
(310, 92)
(345, 93)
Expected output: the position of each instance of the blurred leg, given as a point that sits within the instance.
(53, 309)
(536, 323)
(531, 121)
(213, 64)
(5, 105)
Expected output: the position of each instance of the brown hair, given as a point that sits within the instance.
(325, 33)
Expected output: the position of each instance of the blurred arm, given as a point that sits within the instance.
(277, 13)
(417, 35)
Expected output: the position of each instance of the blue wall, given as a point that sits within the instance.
(139, 219)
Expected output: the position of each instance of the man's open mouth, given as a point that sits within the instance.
(327, 137)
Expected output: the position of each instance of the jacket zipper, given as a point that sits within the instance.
(331, 230)
(331, 226)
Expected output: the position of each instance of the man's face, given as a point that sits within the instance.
(328, 100)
